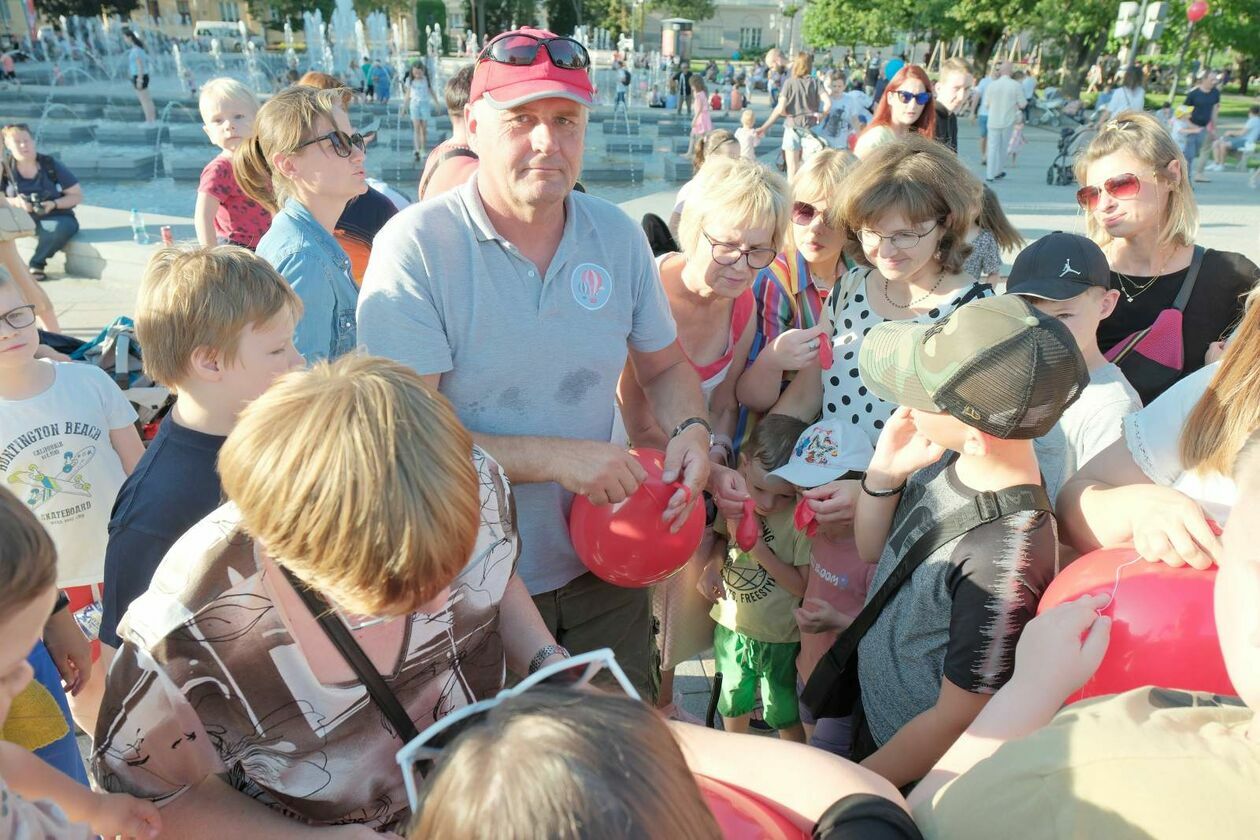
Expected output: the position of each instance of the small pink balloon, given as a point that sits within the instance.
(1196, 11)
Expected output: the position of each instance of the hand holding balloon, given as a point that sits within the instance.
(1060, 649)
(729, 491)
(1170, 527)
(602, 472)
(687, 462)
(749, 529)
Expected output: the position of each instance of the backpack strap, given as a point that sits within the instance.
(983, 508)
(453, 152)
(343, 640)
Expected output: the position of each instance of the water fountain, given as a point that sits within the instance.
(216, 52)
(342, 36)
(181, 72)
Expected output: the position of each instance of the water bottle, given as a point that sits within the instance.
(139, 232)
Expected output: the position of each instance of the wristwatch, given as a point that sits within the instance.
(693, 421)
(544, 653)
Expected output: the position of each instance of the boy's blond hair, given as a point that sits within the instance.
(358, 478)
(28, 560)
(747, 118)
(204, 298)
(225, 89)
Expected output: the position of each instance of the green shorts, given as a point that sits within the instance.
(745, 662)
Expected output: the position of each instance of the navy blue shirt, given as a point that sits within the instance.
(1202, 102)
(48, 189)
(172, 488)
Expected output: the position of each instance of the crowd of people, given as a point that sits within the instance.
(336, 594)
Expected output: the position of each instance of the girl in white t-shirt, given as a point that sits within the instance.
(1168, 486)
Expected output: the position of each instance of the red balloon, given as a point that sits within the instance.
(628, 543)
(745, 816)
(1196, 11)
(1163, 628)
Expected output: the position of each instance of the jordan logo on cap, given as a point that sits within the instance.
(1067, 269)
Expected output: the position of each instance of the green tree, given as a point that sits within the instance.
(290, 10)
(52, 9)
(1232, 25)
(1080, 32)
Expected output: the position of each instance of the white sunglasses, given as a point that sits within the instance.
(575, 672)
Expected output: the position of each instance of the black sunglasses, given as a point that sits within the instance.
(907, 97)
(342, 144)
(519, 50)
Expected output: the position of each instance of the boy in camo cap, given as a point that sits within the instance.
(974, 389)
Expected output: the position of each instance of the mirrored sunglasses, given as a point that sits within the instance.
(520, 50)
(907, 97)
(1124, 187)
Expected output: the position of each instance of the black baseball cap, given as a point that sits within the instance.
(1059, 266)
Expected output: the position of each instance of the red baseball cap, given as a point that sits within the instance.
(508, 85)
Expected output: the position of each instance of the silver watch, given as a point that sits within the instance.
(545, 653)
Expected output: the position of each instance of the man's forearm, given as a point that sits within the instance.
(526, 460)
(674, 395)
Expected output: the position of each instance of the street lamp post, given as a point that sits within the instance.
(1194, 14)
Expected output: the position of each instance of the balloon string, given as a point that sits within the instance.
(1111, 597)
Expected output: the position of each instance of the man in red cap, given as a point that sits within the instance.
(521, 300)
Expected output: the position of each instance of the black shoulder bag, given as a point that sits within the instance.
(833, 690)
(337, 632)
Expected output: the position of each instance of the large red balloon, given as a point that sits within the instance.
(628, 543)
(744, 816)
(1196, 11)
(1163, 628)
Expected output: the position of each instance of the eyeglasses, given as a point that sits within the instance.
(724, 253)
(342, 144)
(420, 755)
(907, 97)
(803, 213)
(1124, 187)
(520, 50)
(20, 318)
(902, 240)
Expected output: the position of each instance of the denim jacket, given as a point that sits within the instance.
(308, 256)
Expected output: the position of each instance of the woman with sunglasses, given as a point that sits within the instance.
(905, 108)
(792, 291)
(1141, 209)
(570, 763)
(802, 103)
(304, 163)
(731, 228)
(907, 208)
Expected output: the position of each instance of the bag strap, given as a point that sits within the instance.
(456, 151)
(1187, 285)
(344, 642)
(984, 508)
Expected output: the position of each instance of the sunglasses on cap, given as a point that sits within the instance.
(1124, 186)
(519, 50)
(342, 144)
(419, 757)
(907, 97)
(803, 213)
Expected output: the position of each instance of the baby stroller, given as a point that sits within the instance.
(1071, 141)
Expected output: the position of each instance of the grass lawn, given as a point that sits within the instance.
(1234, 106)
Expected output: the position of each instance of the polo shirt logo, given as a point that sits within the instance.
(592, 286)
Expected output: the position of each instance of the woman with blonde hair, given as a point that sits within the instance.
(1141, 210)
(792, 291)
(731, 228)
(304, 163)
(1167, 482)
(906, 209)
(359, 585)
(802, 104)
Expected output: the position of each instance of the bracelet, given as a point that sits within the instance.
(881, 494)
(544, 653)
(692, 421)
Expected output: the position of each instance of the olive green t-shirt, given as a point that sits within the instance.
(752, 603)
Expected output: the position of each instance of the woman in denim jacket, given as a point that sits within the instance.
(304, 164)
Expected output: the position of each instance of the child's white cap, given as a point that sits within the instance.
(824, 452)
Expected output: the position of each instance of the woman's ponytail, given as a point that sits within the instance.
(253, 172)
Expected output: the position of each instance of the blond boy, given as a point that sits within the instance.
(224, 213)
(747, 135)
(216, 325)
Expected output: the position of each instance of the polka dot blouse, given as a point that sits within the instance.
(844, 395)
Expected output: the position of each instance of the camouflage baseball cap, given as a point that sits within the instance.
(997, 364)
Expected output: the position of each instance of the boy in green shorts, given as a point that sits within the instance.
(757, 639)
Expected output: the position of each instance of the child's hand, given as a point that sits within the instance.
(1214, 352)
(817, 616)
(901, 450)
(120, 814)
(1060, 649)
(710, 584)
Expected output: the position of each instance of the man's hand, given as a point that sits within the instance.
(833, 503)
(602, 472)
(1060, 649)
(70, 650)
(729, 490)
(817, 616)
(686, 460)
(794, 349)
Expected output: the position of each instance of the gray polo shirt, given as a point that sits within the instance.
(519, 355)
